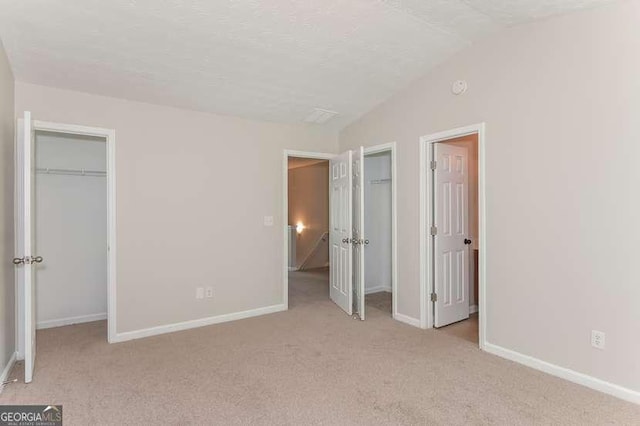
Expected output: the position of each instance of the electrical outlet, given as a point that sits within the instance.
(268, 221)
(597, 339)
(209, 292)
(200, 293)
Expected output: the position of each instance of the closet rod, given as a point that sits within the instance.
(379, 181)
(71, 172)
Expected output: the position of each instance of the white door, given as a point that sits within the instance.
(451, 239)
(25, 259)
(340, 232)
(358, 231)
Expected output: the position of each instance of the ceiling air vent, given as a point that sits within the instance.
(320, 116)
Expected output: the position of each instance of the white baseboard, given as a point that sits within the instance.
(407, 320)
(377, 289)
(473, 309)
(293, 268)
(186, 325)
(71, 320)
(7, 369)
(565, 373)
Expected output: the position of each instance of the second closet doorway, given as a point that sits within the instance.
(379, 231)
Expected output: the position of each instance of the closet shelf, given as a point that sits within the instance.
(379, 181)
(71, 172)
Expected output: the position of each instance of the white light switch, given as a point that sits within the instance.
(268, 221)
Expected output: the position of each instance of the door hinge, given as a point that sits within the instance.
(434, 230)
(434, 164)
(434, 297)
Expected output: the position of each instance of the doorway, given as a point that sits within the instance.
(53, 170)
(347, 239)
(307, 230)
(379, 229)
(453, 245)
(70, 228)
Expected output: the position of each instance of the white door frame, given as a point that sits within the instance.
(426, 243)
(390, 147)
(110, 139)
(285, 210)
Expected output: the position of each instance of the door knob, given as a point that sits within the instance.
(27, 260)
(467, 241)
(345, 240)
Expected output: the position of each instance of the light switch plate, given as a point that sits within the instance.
(268, 221)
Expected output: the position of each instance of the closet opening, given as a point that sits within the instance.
(71, 230)
(378, 230)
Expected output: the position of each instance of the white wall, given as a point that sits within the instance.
(309, 203)
(71, 230)
(377, 222)
(561, 100)
(7, 120)
(187, 215)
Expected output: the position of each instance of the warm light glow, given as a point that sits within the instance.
(299, 227)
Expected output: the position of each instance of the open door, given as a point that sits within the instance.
(358, 231)
(25, 259)
(451, 234)
(340, 231)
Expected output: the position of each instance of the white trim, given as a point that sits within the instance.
(110, 138)
(41, 325)
(565, 373)
(18, 288)
(426, 307)
(375, 149)
(186, 325)
(407, 320)
(307, 154)
(285, 210)
(473, 309)
(7, 369)
(378, 289)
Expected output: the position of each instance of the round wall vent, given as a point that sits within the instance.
(459, 87)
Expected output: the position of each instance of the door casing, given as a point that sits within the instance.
(390, 147)
(110, 139)
(426, 220)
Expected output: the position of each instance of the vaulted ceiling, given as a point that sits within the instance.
(265, 59)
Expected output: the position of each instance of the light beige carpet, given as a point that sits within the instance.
(380, 301)
(310, 365)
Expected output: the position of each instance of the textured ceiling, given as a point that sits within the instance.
(266, 59)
